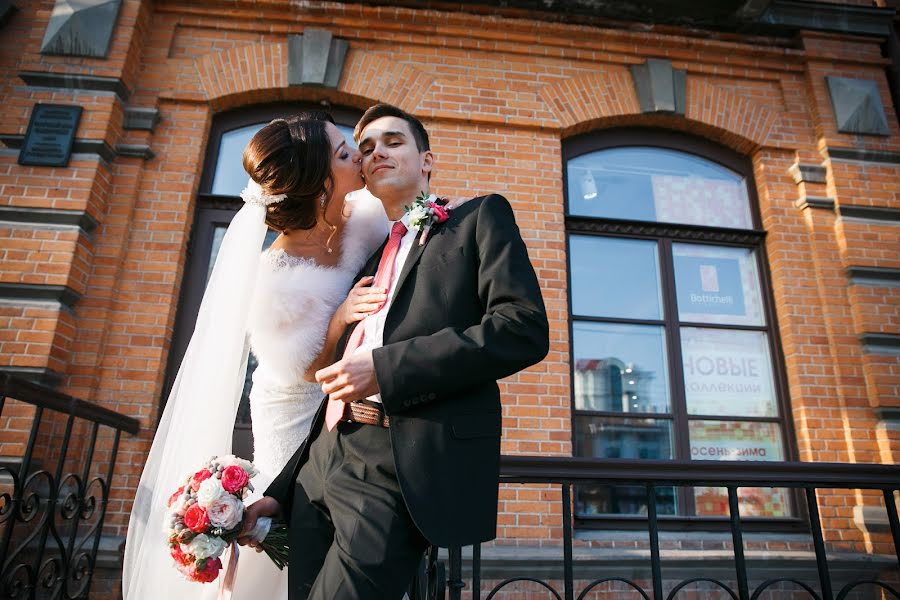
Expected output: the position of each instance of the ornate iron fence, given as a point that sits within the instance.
(58, 456)
(807, 478)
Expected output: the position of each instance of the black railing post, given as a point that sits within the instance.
(815, 527)
(891, 507)
(103, 502)
(476, 572)
(737, 540)
(653, 527)
(568, 577)
(454, 580)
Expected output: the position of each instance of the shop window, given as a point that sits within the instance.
(221, 183)
(673, 347)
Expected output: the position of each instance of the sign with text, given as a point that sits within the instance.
(51, 133)
(709, 285)
(727, 373)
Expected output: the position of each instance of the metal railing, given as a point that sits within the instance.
(52, 503)
(807, 478)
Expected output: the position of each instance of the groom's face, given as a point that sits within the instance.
(392, 164)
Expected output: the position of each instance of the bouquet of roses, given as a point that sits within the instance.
(206, 513)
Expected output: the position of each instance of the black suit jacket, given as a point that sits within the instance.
(466, 312)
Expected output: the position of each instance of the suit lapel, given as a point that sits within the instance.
(415, 253)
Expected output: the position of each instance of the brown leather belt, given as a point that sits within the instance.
(357, 412)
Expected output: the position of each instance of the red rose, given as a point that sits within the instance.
(199, 477)
(234, 478)
(209, 572)
(175, 496)
(440, 212)
(179, 556)
(195, 518)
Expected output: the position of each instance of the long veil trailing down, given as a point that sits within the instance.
(198, 418)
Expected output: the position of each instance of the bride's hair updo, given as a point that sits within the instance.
(292, 156)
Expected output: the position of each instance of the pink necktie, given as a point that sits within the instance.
(334, 412)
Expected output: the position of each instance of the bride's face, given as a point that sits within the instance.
(345, 166)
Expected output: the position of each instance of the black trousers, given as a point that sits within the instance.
(351, 535)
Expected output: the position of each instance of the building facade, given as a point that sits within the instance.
(710, 196)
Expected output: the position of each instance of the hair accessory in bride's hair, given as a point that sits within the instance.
(254, 194)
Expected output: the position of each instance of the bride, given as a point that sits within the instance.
(292, 304)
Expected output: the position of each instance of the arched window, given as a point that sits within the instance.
(218, 200)
(669, 297)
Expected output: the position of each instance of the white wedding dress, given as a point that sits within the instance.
(292, 304)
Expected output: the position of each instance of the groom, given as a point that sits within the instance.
(414, 459)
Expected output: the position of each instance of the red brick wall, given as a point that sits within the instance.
(500, 97)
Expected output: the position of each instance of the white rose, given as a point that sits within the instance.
(204, 546)
(418, 214)
(226, 512)
(210, 491)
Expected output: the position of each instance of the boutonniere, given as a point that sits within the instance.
(425, 213)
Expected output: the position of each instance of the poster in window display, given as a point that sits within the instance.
(701, 201)
(735, 441)
(715, 284)
(727, 372)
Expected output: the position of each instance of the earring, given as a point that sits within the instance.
(322, 199)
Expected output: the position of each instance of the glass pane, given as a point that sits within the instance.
(656, 184)
(631, 438)
(243, 414)
(717, 285)
(613, 277)
(604, 437)
(735, 440)
(620, 368)
(230, 178)
(727, 372)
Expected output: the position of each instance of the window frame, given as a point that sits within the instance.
(666, 234)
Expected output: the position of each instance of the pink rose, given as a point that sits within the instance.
(234, 479)
(195, 518)
(175, 496)
(199, 477)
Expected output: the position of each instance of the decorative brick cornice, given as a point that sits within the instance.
(873, 156)
(814, 202)
(67, 81)
(99, 147)
(41, 375)
(807, 173)
(874, 276)
(870, 213)
(880, 343)
(141, 118)
(39, 292)
(49, 216)
(384, 80)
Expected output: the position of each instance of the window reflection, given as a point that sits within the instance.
(606, 437)
(230, 177)
(614, 277)
(620, 368)
(657, 184)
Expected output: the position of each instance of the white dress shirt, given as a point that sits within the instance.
(373, 325)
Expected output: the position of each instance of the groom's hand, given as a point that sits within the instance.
(351, 378)
(264, 507)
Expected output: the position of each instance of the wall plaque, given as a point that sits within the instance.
(51, 133)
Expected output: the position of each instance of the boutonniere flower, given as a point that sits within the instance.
(424, 213)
